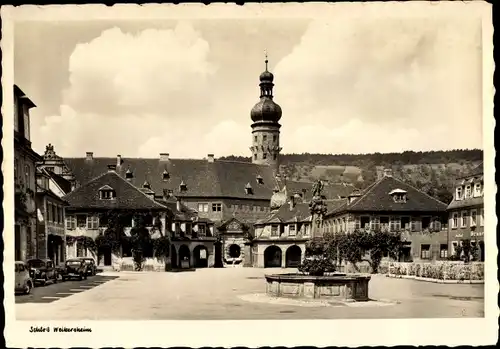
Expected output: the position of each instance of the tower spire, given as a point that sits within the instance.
(267, 61)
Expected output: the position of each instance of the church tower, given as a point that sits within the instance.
(265, 127)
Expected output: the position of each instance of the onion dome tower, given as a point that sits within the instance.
(265, 127)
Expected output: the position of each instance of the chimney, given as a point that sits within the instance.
(211, 158)
(164, 156)
(89, 155)
(111, 168)
(118, 160)
(388, 172)
(178, 205)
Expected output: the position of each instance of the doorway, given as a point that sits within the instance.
(272, 257)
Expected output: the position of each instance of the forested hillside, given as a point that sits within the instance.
(433, 172)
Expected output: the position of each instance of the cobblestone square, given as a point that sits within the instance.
(239, 294)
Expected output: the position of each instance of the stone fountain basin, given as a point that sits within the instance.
(337, 287)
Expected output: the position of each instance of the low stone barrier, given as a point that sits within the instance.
(339, 287)
(127, 264)
(438, 270)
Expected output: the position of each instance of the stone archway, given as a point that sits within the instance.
(272, 257)
(173, 257)
(200, 255)
(293, 256)
(184, 256)
(234, 251)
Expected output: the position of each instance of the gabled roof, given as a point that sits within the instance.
(127, 195)
(376, 198)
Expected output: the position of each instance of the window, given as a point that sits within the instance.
(27, 178)
(255, 156)
(365, 222)
(414, 224)
(54, 213)
(275, 138)
(473, 218)
(274, 230)
(79, 249)
(255, 138)
(274, 156)
(291, 230)
(81, 221)
(188, 228)
(203, 207)
(260, 180)
(107, 193)
(481, 217)
(426, 222)
(264, 156)
(443, 251)
(49, 212)
(26, 116)
(454, 220)
(248, 189)
(405, 223)
(166, 175)
(463, 220)
(201, 230)
(468, 191)
(16, 114)
(182, 186)
(458, 194)
(264, 138)
(216, 207)
(357, 223)
(477, 189)
(70, 222)
(454, 246)
(92, 222)
(425, 251)
(395, 224)
(375, 223)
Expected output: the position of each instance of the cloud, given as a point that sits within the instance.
(400, 82)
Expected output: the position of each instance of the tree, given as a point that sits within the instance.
(317, 259)
(141, 241)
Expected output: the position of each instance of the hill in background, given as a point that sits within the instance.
(434, 172)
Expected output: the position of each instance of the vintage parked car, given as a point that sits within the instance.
(91, 266)
(23, 282)
(42, 270)
(74, 268)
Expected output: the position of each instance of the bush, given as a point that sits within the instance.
(440, 270)
(317, 267)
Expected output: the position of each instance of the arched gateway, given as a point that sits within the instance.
(293, 256)
(272, 257)
(200, 254)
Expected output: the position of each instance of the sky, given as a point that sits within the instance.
(140, 88)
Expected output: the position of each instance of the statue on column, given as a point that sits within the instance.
(318, 208)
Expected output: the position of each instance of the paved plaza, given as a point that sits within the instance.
(238, 293)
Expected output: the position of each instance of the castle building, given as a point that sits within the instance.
(217, 190)
(25, 159)
(466, 212)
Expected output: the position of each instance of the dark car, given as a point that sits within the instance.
(42, 271)
(91, 267)
(74, 268)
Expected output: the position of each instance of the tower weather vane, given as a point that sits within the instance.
(265, 52)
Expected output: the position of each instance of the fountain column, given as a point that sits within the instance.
(318, 209)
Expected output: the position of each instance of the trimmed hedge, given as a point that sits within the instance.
(440, 270)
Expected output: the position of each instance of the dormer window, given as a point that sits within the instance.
(166, 175)
(129, 174)
(248, 189)
(146, 185)
(468, 191)
(399, 195)
(260, 180)
(182, 186)
(107, 193)
(477, 189)
(458, 194)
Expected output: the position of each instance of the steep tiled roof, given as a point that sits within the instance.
(376, 198)
(476, 171)
(477, 201)
(284, 214)
(184, 214)
(202, 178)
(127, 195)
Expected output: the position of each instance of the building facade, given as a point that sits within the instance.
(393, 206)
(466, 213)
(25, 160)
(51, 236)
